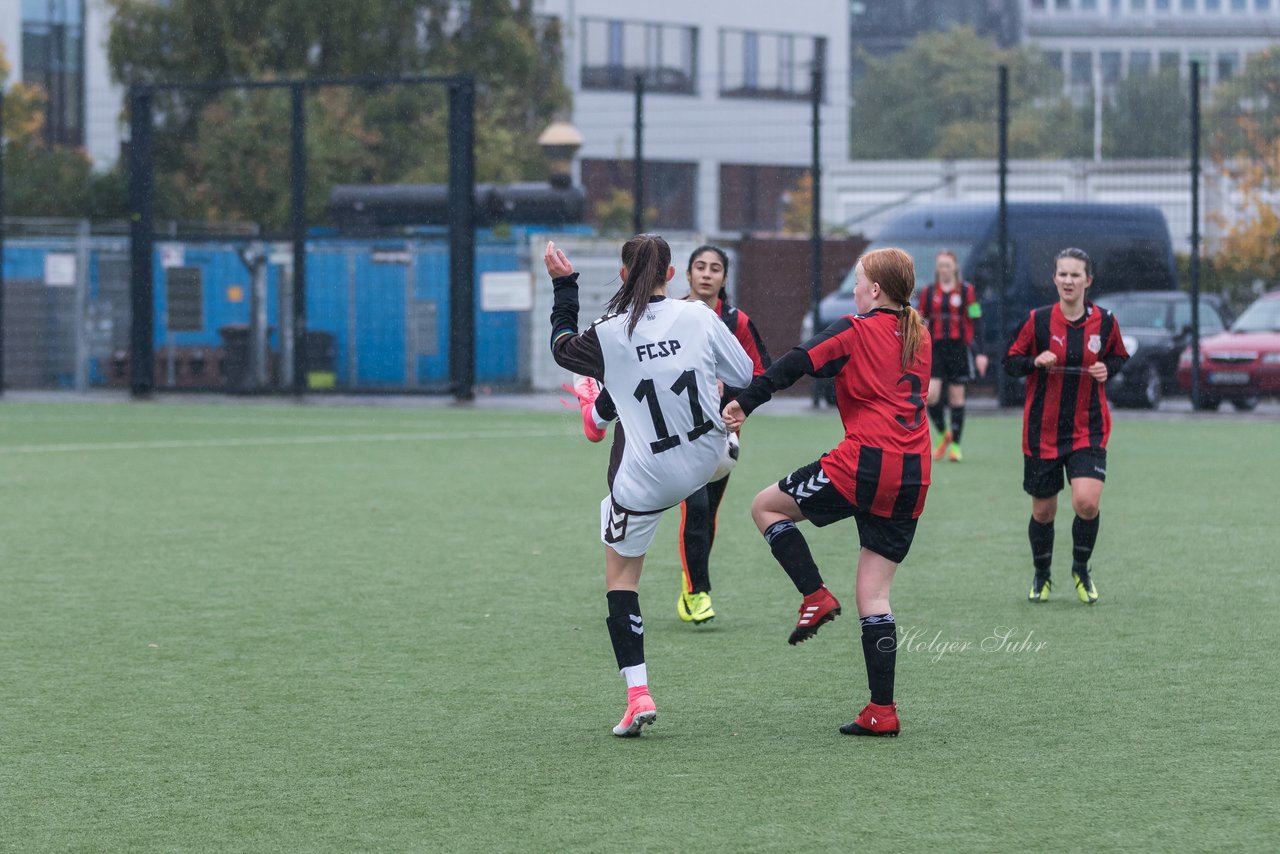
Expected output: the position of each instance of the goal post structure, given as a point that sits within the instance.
(461, 225)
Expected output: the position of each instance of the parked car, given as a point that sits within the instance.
(1157, 327)
(1129, 245)
(1242, 364)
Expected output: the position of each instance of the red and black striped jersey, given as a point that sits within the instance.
(883, 465)
(745, 331)
(952, 315)
(1066, 409)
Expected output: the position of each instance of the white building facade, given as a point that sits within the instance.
(1115, 38)
(61, 46)
(727, 110)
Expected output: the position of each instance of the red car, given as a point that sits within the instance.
(1241, 364)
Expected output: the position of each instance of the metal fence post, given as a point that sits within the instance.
(298, 233)
(637, 168)
(1195, 234)
(462, 238)
(83, 259)
(141, 285)
(815, 207)
(1002, 233)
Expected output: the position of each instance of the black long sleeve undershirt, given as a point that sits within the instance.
(782, 374)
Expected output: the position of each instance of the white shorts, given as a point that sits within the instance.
(628, 534)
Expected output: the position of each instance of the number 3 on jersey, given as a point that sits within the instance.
(913, 397)
(647, 392)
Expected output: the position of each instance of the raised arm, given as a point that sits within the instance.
(577, 352)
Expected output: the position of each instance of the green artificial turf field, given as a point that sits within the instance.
(264, 627)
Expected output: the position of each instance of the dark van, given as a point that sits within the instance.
(1129, 245)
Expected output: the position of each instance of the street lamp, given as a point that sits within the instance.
(559, 142)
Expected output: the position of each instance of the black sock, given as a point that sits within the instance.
(696, 523)
(626, 627)
(957, 423)
(880, 650)
(1041, 536)
(792, 552)
(1084, 533)
(938, 415)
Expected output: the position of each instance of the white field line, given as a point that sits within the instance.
(267, 441)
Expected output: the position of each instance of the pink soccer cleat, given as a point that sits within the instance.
(640, 711)
(586, 390)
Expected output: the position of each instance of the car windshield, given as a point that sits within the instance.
(1140, 313)
(1262, 316)
(922, 252)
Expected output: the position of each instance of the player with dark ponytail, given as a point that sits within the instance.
(662, 358)
(879, 473)
(707, 272)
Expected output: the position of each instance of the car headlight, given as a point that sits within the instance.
(1271, 358)
(1130, 344)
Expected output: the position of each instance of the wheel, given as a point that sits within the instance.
(1152, 391)
(1206, 403)
(1245, 404)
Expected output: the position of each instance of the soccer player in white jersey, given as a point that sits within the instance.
(660, 359)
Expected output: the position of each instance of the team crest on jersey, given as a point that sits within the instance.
(955, 300)
(1095, 343)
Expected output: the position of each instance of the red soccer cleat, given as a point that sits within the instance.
(817, 608)
(586, 390)
(640, 712)
(875, 720)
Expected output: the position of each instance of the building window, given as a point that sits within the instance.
(1138, 5)
(53, 58)
(754, 198)
(1263, 5)
(1089, 5)
(1038, 5)
(768, 65)
(1170, 61)
(1213, 5)
(615, 52)
(1239, 5)
(1109, 61)
(1063, 5)
(1188, 5)
(1053, 59)
(1228, 65)
(1140, 63)
(1081, 69)
(670, 190)
(1163, 5)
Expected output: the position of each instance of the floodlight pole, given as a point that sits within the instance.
(815, 207)
(1002, 232)
(462, 239)
(1195, 234)
(298, 232)
(141, 237)
(637, 168)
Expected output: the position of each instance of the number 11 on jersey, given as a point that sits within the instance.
(687, 382)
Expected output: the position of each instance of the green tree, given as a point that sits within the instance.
(220, 155)
(40, 179)
(1244, 143)
(939, 98)
(1149, 116)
